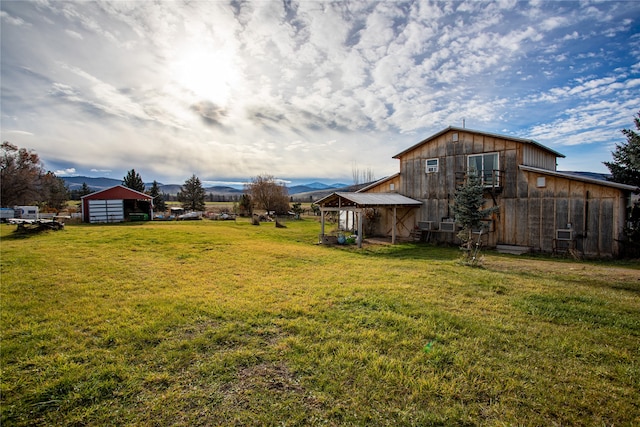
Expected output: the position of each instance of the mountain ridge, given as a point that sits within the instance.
(97, 184)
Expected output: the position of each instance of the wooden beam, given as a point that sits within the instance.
(360, 228)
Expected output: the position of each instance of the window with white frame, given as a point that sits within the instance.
(486, 166)
(432, 165)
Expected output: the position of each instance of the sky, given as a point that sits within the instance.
(308, 90)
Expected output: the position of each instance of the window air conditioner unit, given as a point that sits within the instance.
(425, 225)
(448, 227)
(564, 234)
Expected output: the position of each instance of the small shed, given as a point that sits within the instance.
(116, 204)
(358, 202)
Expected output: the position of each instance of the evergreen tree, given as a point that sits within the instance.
(245, 206)
(85, 190)
(192, 195)
(55, 193)
(134, 181)
(469, 213)
(625, 167)
(159, 204)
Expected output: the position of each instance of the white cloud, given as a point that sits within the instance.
(74, 34)
(65, 172)
(6, 17)
(228, 90)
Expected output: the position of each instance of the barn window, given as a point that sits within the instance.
(432, 165)
(486, 166)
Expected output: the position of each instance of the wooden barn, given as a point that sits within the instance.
(116, 204)
(540, 209)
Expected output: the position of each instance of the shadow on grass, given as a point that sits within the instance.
(411, 251)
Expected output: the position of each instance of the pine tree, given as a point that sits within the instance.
(625, 167)
(85, 190)
(159, 204)
(245, 206)
(134, 181)
(55, 193)
(192, 195)
(469, 213)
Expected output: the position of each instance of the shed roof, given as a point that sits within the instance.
(117, 192)
(575, 177)
(478, 132)
(363, 200)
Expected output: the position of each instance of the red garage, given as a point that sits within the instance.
(116, 204)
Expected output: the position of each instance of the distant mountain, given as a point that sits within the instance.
(313, 187)
(97, 184)
(317, 186)
(314, 195)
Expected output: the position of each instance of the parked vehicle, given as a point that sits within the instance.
(6, 214)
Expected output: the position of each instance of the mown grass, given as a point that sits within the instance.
(223, 323)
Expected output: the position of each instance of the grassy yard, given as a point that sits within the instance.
(222, 323)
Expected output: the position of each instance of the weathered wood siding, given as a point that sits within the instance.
(406, 217)
(391, 185)
(529, 214)
(595, 214)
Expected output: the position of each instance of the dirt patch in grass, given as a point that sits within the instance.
(269, 387)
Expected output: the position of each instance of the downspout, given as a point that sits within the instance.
(585, 225)
(393, 228)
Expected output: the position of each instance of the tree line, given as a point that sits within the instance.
(24, 181)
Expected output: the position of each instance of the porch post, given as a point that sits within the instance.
(322, 223)
(359, 228)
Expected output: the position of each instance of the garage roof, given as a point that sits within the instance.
(117, 192)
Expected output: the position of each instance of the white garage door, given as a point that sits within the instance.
(106, 211)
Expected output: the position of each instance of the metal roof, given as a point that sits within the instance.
(478, 132)
(117, 192)
(575, 177)
(366, 200)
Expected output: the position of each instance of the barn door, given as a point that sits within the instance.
(106, 211)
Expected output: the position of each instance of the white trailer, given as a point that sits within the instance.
(6, 214)
(27, 212)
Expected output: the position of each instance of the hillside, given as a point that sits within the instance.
(97, 184)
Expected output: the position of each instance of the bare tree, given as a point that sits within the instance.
(266, 193)
(20, 173)
(361, 176)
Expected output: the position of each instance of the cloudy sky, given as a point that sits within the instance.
(308, 89)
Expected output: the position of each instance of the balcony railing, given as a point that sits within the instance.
(489, 179)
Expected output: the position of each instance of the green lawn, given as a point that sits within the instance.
(225, 323)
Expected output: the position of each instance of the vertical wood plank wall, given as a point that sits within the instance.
(529, 215)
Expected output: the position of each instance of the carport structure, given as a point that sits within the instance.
(358, 202)
(115, 204)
